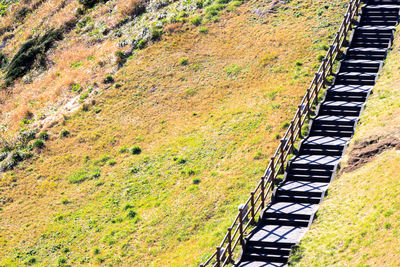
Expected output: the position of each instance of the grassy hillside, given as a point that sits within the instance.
(151, 166)
(358, 223)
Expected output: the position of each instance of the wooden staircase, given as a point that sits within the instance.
(296, 200)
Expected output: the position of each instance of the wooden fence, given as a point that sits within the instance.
(260, 196)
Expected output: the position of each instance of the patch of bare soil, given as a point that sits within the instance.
(365, 151)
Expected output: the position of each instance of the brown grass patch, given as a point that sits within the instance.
(132, 7)
(365, 151)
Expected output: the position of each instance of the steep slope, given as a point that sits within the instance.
(358, 223)
(204, 108)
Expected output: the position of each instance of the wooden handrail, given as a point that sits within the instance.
(224, 254)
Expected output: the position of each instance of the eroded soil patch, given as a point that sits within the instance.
(363, 152)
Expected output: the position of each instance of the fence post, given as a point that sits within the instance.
(252, 206)
(229, 246)
(282, 155)
(241, 226)
(299, 118)
(262, 191)
(218, 255)
(318, 75)
(331, 47)
(323, 72)
(308, 97)
(338, 41)
(273, 172)
(291, 136)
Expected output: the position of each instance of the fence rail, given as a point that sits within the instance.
(225, 253)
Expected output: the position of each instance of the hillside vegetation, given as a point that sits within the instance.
(139, 154)
(358, 223)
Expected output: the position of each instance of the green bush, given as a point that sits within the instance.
(3, 60)
(183, 61)
(196, 20)
(131, 214)
(136, 150)
(141, 44)
(320, 57)
(90, 3)
(64, 133)
(203, 30)
(285, 125)
(196, 181)
(156, 33)
(31, 50)
(22, 13)
(76, 87)
(108, 79)
(38, 144)
(43, 136)
(121, 57)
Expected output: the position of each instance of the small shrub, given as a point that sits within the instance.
(182, 161)
(136, 150)
(31, 260)
(65, 201)
(22, 13)
(83, 96)
(232, 70)
(156, 33)
(128, 206)
(123, 149)
(117, 85)
(191, 172)
(203, 30)
(141, 44)
(196, 181)
(320, 57)
(268, 59)
(258, 156)
(275, 106)
(61, 261)
(96, 251)
(78, 177)
(324, 47)
(31, 50)
(38, 144)
(299, 63)
(76, 87)
(196, 20)
(134, 170)
(112, 162)
(183, 61)
(190, 92)
(85, 107)
(276, 136)
(108, 79)
(64, 133)
(285, 125)
(43, 136)
(90, 3)
(121, 57)
(3, 60)
(131, 214)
